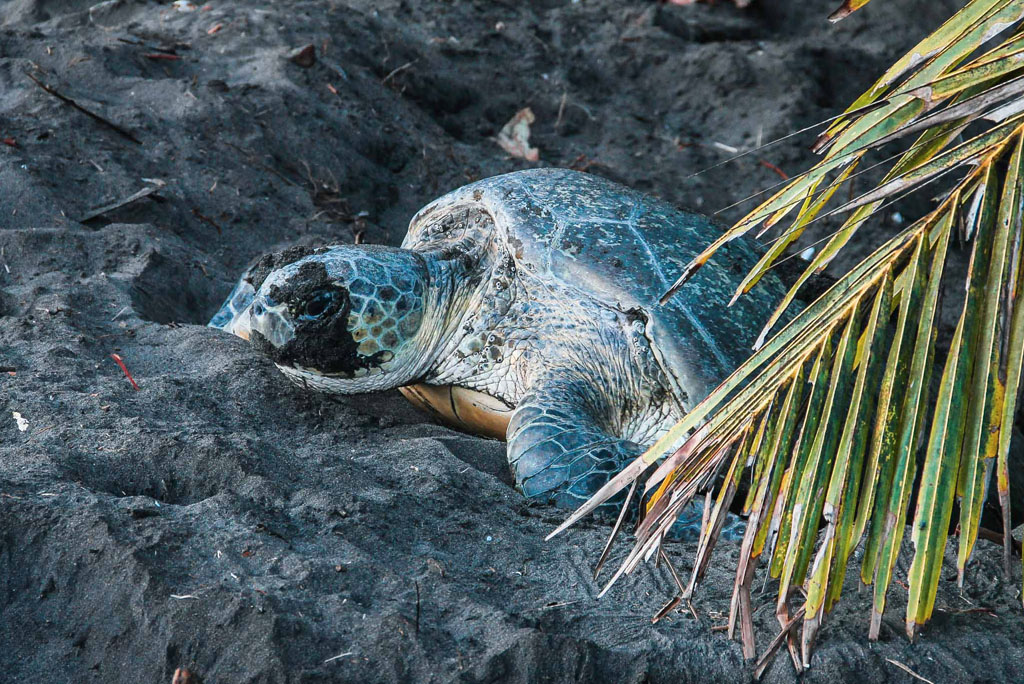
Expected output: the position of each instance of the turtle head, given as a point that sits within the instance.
(344, 320)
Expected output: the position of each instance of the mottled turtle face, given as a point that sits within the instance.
(344, 320)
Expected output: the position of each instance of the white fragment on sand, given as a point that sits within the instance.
(514, 137)
(22, 423)
(183, 6)
(340, 655)
(807, 254)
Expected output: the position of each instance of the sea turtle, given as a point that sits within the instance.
(523, 307)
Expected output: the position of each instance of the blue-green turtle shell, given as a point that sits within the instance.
(620, 247)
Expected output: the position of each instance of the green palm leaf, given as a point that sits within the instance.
(831, 417)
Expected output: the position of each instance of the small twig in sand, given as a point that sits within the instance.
(119, 362)
(548, 606)
(417, 607)
(50, 427)
(145, 192)
(666, 609)
(908, 670)
(152, 48)
(340, 655)
(182, 597)
(397, 70)
(206, 219)
(984, 611)
(67, 100)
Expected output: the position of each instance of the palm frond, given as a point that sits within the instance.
(832, 416)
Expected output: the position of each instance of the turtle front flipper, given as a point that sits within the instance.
(562, 451)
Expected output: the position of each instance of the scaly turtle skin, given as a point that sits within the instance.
(522, 306)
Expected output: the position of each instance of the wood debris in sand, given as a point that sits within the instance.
(88, 112)
(154, 185)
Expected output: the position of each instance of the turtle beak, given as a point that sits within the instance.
(240, 326)
(268, 321)
(233, 316)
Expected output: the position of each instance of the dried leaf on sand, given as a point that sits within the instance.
(514, 137)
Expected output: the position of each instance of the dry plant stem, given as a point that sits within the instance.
(791, 645)
(740, 610)
(615, 530)
(666, 609)
(713, 530)
(145, 192)
(747, 625)
(765, 660)
(908, 671)
(1009, 543)
(1004, 540)
(671, 569)
(67, 100)
(417, 607)
(741, 587)
(206, 219)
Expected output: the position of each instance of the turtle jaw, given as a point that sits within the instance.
(362, 380)
(270, 329)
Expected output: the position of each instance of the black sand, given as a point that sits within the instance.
(221, 520)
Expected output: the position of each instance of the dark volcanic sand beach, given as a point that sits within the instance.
(221, 520)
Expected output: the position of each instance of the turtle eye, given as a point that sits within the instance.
(317, 304)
